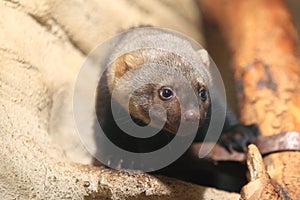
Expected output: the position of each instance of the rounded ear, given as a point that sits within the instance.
(126, 62)
(204, 57)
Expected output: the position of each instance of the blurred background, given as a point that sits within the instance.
(218, 51)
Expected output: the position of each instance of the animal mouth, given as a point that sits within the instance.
(171, 127)
(186, 127)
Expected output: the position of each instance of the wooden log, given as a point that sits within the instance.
(262, 41)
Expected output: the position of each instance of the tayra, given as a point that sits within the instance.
(160, 69)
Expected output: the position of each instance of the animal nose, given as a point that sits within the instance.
(191, 115)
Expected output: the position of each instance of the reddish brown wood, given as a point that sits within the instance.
(263, 42)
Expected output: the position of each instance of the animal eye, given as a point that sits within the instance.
(166, 93)
(203, 94)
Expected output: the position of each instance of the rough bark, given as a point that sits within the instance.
(42, 46)
(263, 43)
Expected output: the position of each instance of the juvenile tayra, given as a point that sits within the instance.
(161, 61)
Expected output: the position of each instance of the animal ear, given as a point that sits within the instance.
(126, 62)
(204, 57)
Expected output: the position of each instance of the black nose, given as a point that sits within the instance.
(191, 115)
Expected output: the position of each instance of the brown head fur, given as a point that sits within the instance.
(163, 73)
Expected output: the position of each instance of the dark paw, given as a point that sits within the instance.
(238, 137)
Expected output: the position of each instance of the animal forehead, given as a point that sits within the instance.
(184, 70)
(180, 70)
(192, 76)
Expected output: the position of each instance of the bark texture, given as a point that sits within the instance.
(263, 43)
